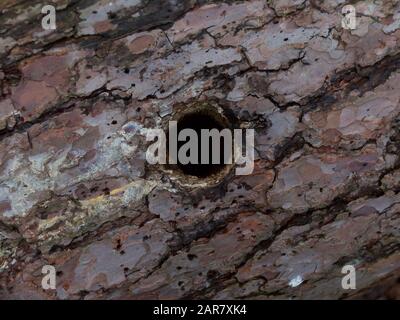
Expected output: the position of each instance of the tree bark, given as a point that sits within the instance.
(77, 193)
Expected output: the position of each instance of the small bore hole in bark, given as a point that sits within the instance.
(198, 120)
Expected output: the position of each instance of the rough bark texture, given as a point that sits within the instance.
(77, 193)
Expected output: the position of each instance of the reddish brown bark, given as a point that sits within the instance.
(77, 193)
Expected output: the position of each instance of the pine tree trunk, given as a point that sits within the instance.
(77, 193)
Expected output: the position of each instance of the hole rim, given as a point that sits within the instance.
(224, 119)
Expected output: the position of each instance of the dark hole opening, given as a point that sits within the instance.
(197, 121)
